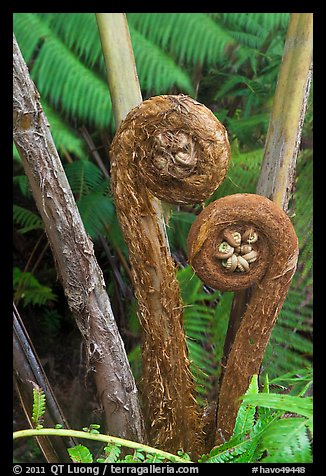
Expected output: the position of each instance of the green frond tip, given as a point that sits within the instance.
(246, 414)
(112, 453)
(39, 403)
(288, 403)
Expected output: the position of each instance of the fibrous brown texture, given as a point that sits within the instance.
(175, 148)
(269, 278)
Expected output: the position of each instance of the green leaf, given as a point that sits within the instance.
(112, 453)
(39, 403)
(287, 441)
(30, 290)
(26, 219)
(287, 403)
(246, 413)
(80, 454)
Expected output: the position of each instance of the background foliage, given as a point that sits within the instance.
(228, 61)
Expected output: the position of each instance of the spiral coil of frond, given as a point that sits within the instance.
(174, 148)
(237, 242)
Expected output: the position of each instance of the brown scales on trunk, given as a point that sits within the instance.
(175, 148)
(269, 278)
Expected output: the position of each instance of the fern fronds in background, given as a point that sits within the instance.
(29, 290)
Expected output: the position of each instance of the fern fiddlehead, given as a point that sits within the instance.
(175, 148)
(268, 244)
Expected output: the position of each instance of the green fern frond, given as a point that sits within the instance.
(30, 33)
(189, 37)
(156, 70)
(96, 211)
(112, 453)
(82, 94)
(298, 381)
(65, 138)
(259, 24)
(39, 405)
(246, 413)
(28, 288)
(84, 177)
(286, 403)
(271, 21)
(242, 22)
(62, 78)
(80, 454)
(26, 219)
(198, 319)
(79, 32)
(287, 441)
(227, 452)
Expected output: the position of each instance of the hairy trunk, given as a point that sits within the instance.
(168, 388)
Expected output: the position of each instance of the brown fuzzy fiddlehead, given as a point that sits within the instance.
(263, 257)
(174, 148)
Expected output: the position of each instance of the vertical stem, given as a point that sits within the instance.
(73, 252)
(28, 369)
(289, 107)
(169, 403)
(123, 80)
(120, 63)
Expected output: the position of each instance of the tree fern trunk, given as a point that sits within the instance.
(74, 258)
(171, 411)
(278, 166)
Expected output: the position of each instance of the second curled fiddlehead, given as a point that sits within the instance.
(174, 148)
(237, 242)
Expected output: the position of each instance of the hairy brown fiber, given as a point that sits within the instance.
(175, 148)
(269, 277)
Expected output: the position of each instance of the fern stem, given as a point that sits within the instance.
(120, 63)
(171, 410)
(28, 369)
(101, 438)
(289, 107)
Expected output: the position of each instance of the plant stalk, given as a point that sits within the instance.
(28, 369)
(80, 274)
(277, 172)
(102, 438)
(172, 416)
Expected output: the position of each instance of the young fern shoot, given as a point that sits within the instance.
(259, 237)
(174, 148)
